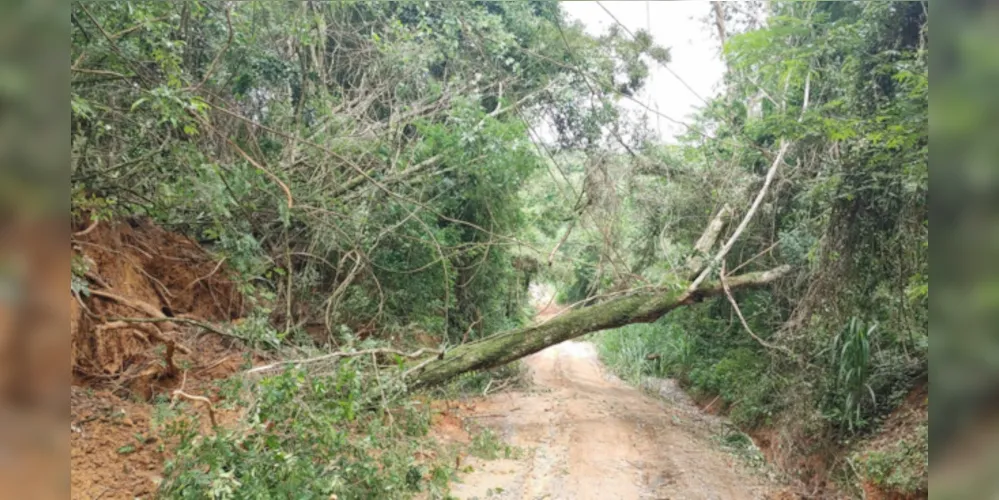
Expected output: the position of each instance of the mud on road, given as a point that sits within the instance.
(586, 435)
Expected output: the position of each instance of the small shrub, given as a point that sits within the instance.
(901, 467)
(742, 380)
(850, 398)
(743, 446)
(304, 436)
(256, 330)
(486, 444)
(635, 351)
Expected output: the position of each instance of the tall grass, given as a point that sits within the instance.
(658, 350)
(740, 376)
(851, 359)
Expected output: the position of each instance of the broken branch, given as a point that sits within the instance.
(745, 220)
(738, 312)
(341, 354)
(702, 249)
(201, 399)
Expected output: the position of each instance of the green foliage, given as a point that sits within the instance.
(901, 466)
(257, 331)
(742, 379)
(851, 357)
(307, 436)
(486, 444)
(78, 281)
(657, 350)
(850, 216)
(357, 166)
(739, 377)
(740, 444)
(376, 167)
(362, 160)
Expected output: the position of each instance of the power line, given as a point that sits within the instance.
(656, 111)
(664, 65)
(539, 145)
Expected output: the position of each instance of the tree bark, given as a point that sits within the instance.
(506, 347)
(720, 22)
(702, 249)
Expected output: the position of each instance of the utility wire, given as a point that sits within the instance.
(664, 65)
(614, 90)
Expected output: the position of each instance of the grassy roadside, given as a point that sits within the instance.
(888, 456)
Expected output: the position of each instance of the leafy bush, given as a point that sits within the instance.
(850, 358)
(305, 436)
(635, 351)
(902, 467)
(740, 377)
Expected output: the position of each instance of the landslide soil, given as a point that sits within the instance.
(585, 434)
(119, 372)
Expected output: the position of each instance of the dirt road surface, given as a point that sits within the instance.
(586, 435)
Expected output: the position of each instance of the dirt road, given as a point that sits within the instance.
(585, 435)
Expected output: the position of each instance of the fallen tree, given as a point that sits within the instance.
(642, 307)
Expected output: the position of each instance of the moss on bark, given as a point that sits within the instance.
(502, 348)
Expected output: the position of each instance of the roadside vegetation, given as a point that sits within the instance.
(346, 193)
(829, 353)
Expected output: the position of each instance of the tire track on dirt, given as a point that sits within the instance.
(590, 436)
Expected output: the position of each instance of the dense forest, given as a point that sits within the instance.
(358, 198)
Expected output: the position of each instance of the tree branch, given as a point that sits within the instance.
(702, 249)
(738, 312)
(336, 355)
(745, 220)
(509, 346)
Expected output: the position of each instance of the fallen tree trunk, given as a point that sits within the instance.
(502, 348)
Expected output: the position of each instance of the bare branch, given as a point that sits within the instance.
(738, 312)
(336, 355)
(702, 249)
(200, 399)
(209, 275)
(719, 21)
(745, 220)
(551, 256)
(228, 42)
(88, 230)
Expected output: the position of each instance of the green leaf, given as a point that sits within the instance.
(138, 103)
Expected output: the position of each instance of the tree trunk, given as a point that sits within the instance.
(505, 347)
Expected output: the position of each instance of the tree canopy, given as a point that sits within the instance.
(383, 169)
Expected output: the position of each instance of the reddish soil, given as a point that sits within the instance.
(115, 452)
(901, 424)
(108, 459)
(141, 262)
